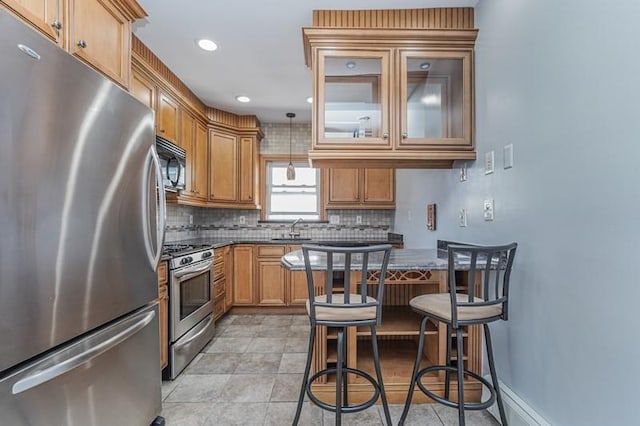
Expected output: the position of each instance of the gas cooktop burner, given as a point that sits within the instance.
(173, 249)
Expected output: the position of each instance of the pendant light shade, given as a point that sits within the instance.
(291, 171)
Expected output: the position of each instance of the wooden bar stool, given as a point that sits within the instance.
(349, 307)
(458, 310)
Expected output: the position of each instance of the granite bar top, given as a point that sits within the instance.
(400, 260)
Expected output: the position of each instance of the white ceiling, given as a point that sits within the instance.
(259, 52)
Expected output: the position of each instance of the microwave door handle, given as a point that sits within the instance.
(174, 183)
(188, 273)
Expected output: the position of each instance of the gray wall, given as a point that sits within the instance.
(561, 81)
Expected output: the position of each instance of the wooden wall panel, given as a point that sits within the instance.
(434, 18)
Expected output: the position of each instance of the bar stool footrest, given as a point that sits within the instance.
(449, 403)
(344, 409)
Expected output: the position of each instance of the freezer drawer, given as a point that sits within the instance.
(110, 377)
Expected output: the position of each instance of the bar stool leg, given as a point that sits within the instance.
(494, 376)
(305, 378)
(345, 384)
(376, 363)
(414, 376)
(447, 377)
(460, 362)
(339, 376)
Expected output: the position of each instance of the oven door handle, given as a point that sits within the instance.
(188, 273)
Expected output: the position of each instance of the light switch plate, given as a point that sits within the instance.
(242, 220)
(488, 162)
(488, 209)
(463, 172)
(334, 219)
(358, 220)
(463, 218)
(507, 153)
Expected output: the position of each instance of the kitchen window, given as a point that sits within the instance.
(292, 199)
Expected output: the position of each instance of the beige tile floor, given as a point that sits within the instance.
(251, 372)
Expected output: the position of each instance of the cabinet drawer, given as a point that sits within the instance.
(218, 270)
(270, 251)
(218, 308)
(218, 289)
(218, 255)
(162, 272)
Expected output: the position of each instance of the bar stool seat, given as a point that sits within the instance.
(341, 307)
(459, 308)
(439, 305)
(324, 313)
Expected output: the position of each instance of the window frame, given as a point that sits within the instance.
(265, 160)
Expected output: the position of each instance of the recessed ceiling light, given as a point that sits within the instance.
(351, 65)
(425, 65)
(206, 44)
(243, 99)
(310, 99)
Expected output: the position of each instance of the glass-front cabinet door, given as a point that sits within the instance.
(353, 93)
(435, 99)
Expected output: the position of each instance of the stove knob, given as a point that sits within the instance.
(189, 259)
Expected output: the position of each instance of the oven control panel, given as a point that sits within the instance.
(180, 261)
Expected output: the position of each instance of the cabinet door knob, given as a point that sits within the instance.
(57, 25)
(82, 44)
(405, 135)
(385, 135)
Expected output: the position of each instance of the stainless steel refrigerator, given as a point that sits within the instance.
(81, 230)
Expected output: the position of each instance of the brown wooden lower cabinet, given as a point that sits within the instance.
(163, 311)
(243, 275)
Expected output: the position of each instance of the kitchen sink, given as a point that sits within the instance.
(291, 239)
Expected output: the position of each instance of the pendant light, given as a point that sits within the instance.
(291, 171)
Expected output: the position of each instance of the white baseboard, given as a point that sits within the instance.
(518, 412)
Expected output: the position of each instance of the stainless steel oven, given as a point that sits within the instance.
(191, 323)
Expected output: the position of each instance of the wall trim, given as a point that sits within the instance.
(519, 413)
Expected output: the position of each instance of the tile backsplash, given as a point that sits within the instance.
(185, 222)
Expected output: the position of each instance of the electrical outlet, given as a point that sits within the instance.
(488, 209)
(190, 219)
(463, 172)
(334, 219)
(463, 218)
(488, 163)
(358, 220)
(242, 220)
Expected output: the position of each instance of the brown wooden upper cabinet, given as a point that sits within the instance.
(391, 97)
(143, 89)
(167, 117)
(44, 15)
(201, 170)
(233, 163)
(96, 31)
(100, 34)
(360, 188)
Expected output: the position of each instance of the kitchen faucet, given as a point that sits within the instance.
(292, 232)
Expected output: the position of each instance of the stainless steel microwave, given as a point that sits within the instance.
(173, 164)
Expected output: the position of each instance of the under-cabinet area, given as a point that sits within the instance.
(398, 337)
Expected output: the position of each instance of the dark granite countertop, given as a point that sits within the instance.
(222, 242)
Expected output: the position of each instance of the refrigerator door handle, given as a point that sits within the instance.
(154, 253)
(74, 360)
